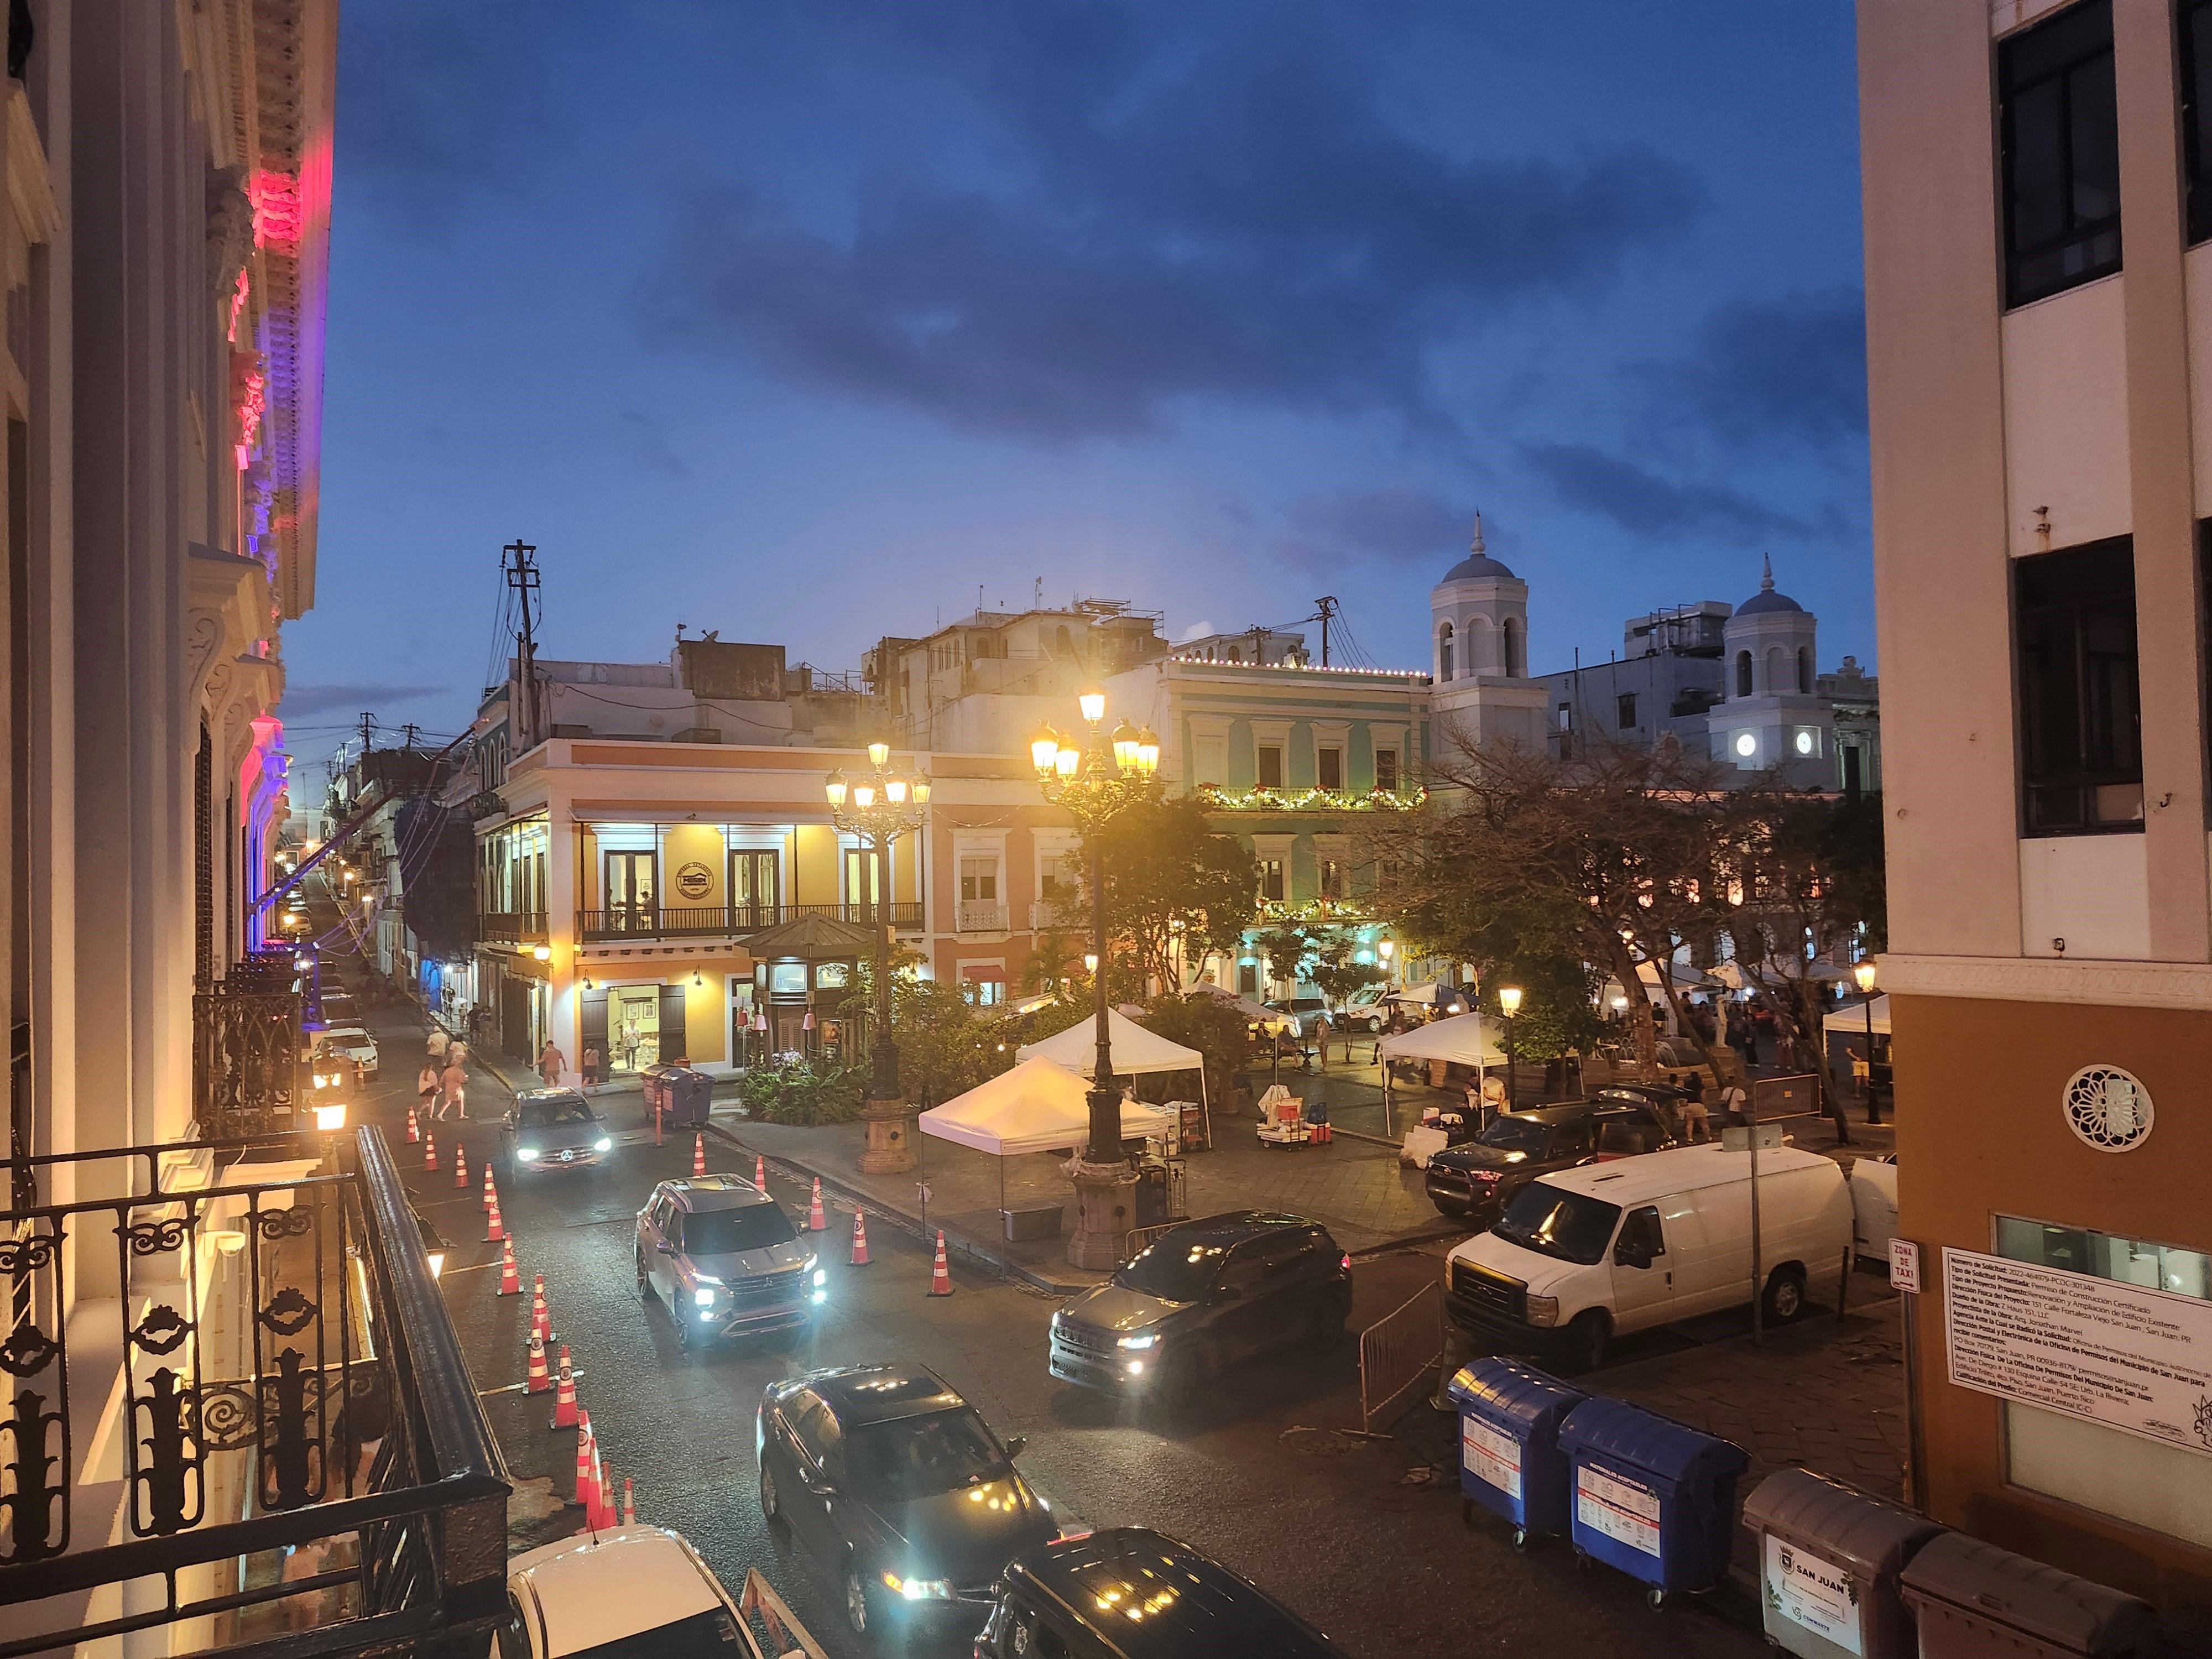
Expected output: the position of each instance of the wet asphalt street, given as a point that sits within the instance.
(1259, 1474)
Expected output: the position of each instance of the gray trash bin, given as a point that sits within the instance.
(1829, 1558)
(1974, 1599)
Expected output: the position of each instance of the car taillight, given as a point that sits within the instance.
(1345, 1261)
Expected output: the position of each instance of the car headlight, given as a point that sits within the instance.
(1142, 1339)
(821, 1277)
(704, 1296)
(526, 1153)
(1543, 1310)
(603, 1144)
(920, 1589)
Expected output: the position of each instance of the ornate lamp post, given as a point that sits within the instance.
(1509, 1004)
(879, 808)
(1096, 784)
(1864, 973)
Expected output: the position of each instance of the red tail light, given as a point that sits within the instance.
(1346, 1262)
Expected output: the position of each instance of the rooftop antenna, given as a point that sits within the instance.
(1038, 599)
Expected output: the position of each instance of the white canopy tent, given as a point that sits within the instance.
(1040, 1106)
(1851, 1021)
(1461, 1039)
(1136, 1052)
(1255, 1013)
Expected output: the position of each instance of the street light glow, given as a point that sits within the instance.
(833, 786)
(879, 752)
(921, 787)
(1865, 973)
(1068, 761)
(894, 791)
(1044, 747)
(1509, 1000)
(1125, 742)
(1092, 702)
(864, 795)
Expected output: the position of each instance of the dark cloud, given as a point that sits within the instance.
(1764, 370)
(301, 701)
(438, 102)
(1237, 217)
(1395, 525)
(1649, 506)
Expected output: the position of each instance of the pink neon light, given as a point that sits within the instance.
(277, 214)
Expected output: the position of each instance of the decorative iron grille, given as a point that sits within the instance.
(246, 1056)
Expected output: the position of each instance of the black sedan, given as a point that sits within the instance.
(1204, 1296)
(1473, 1180)
(898, 1486)
(554, 1129)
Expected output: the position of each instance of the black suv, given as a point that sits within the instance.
(1473, 1180)
(900, 1488)
(1131, 1594)
(1202, 1297)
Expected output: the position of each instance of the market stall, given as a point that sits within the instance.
(1040, 1106)
(1137, 1052)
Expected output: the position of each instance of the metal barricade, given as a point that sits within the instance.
(1397, 1353)
(1141, 1237)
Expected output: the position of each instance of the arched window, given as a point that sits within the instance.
(1515, 654)
(1805, 669)
(1777, 671)
(1477, 655)
(1444, 653)
(1743, 673)
(1234, 655)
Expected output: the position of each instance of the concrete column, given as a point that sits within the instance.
(564, 1017)
(2160, 490)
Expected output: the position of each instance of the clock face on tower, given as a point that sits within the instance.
(2108, 1108)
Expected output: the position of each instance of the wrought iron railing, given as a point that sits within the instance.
(278, 1391)
(653, 922)
(511, 926)
(245, 1057)
(980, 916)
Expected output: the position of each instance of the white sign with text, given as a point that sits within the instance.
(1617, 1507)
(1813, 1593)
(1491, 1457)
(2129, 1357)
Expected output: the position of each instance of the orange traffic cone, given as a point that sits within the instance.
(698, 1155)
(493, 1230)
(537, 1380)
(491, 1191)
(629, 1504)
(760, 1172)
(461, 1168)
(414, 1129)
(541, 1323)
(604, 1519)
(859, 1239)
(585, 1469)
(816, 1221)
(940, 1276)
(429, 1151)
(565, 1415)
(510, 1277)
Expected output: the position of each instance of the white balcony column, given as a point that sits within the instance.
(563, 1017)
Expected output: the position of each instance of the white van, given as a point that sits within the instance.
(1609, 1249)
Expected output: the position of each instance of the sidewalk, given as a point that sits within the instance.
(1353, 1187)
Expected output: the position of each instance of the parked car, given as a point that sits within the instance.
(634, 1593)
(1303, 1010)
(1128, 1593)
(1367, 1009)
(724, 1259)
(339, 1009)
(350, 1042)
(1586, 1255)
(1475, 1179)
(1874, 1206)
(1202, 1297)
(554, 1128)
(898, 1486)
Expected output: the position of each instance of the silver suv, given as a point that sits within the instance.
(723, 1258)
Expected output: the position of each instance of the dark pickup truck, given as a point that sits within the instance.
(1473, 1180)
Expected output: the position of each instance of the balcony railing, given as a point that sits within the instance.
(613, 923)
(980, 916)
(1046, 914)
(511, 926)
(246, 1055)
(237, 1408)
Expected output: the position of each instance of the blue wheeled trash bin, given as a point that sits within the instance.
(1652, 1496)
(1510, 1460)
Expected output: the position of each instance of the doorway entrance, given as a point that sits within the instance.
(633, 1027)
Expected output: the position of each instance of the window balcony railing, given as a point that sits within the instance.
(247, 1041)
(613, 923)
(1046, 914)
(511, 926)
(980, 916)
(237, 1412)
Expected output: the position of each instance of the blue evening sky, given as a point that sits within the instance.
(807, 321)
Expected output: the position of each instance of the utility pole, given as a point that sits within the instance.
(1326, 607)
(367, 731)
(519, 562)
(407, 734)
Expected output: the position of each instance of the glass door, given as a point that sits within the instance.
(753, 889)
(859, 884)
(630, 893)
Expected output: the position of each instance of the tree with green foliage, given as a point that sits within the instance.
(1335, 973)
(1288, 951)
(1210, 1025)
(1169, 875)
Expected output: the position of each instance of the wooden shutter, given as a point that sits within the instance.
(671, 1024)
(592, 1011)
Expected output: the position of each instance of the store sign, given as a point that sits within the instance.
(1813, 1593)
(694, 880)
(1491, 1457)
(1622, 1510)
(2129, 1357)
(1904, 1265)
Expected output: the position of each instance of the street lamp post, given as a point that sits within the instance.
(1509, 1004)
(1865, 972)
(1096, 783)
(879, 808)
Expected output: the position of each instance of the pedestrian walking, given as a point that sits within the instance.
(425, 1088)
(1321, 1037)
(1735, 1105)
(1696, 1119)
(592, 1063)
(456, 1051)
(454, 1081)
(551, 1062)
(438, 1044)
